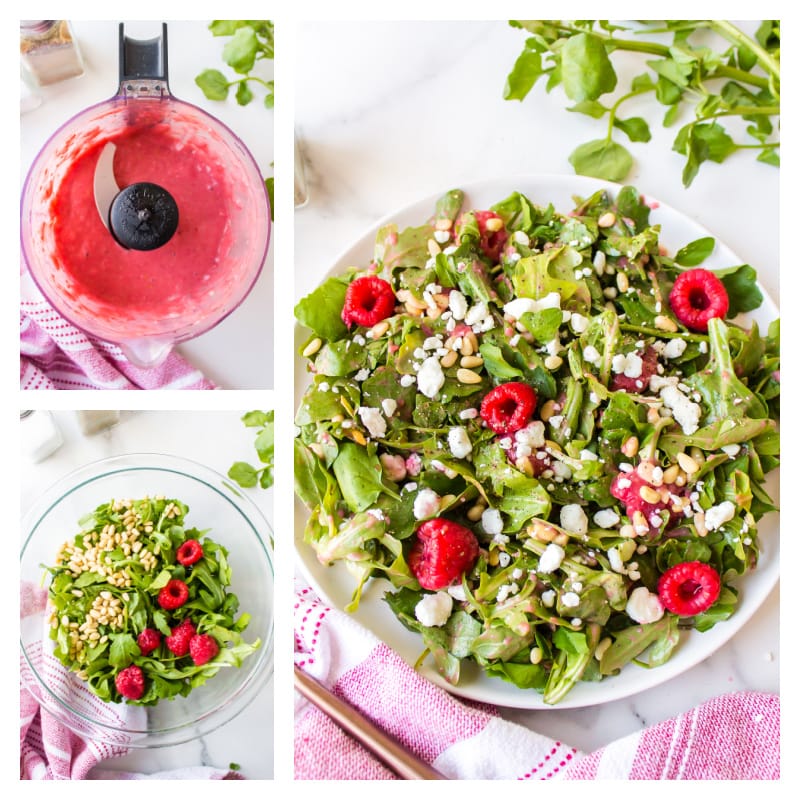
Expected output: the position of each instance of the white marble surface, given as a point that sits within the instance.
(225, 353)
(216, 439)
(403, 110)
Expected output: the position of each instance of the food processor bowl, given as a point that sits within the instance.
(145, 299)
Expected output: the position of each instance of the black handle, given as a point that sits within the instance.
(144, 59)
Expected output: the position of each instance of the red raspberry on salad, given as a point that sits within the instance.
(689, 588)
(173, 595)
(130, 682)
(493, 238)
(203, 648)
(442, 552)
(148, 640)
(190, 552)
(368, 300)
(178, 641)
(508, 407)
(696, 297)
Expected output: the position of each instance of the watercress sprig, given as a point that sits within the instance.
(742, 80)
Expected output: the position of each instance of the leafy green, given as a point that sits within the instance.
(733, 76)
(246, 475)
(77, 595)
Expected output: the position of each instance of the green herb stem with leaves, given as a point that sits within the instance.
(244, 473)
(684, 72)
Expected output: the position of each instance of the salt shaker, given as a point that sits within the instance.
(49, 50)
(41, 437)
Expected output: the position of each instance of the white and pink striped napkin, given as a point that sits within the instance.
(56, 355)
(732, 737)
(51, 750)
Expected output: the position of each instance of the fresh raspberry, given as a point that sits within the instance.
(622, 382)
(626, 487)
(203, 648)
(130, 682)
(173, 595)
(148, 640)
(442, 552)
(368, 300)
(492, 242)
(508, 407)
(698, 295)
(189, 552)
(689, 588)
(178, 641)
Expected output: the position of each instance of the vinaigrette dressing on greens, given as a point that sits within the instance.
(648, 448)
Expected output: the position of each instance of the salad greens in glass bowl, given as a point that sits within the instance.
(547, 435)
(146, 601)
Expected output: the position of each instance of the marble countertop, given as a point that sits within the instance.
(403, 110)
(223, 354)
(213, 438)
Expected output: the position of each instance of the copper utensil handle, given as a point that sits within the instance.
(395, 757)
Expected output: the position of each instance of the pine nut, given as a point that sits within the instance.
(665, 324)
(548, 410)
(449, 359)
(379, 329)
(700, 523)
(553, 362)
(476, 512)
(358, 437)
(622, 282)
(670, 473)
(649, 494)
(494, 224)
(627, 531)
(606, 220)
(630, 447)
(523, 464)
(467, 348)
(468, 376)
(471, 361)
(652, 415)
(542, 532)
(443, 224)
(561, 539)
(687, 463)
(537, 654)
(433, 247)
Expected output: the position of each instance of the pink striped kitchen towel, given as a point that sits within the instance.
(56, 355)
(732, 737)
(49, 750)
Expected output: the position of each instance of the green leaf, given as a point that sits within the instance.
(321, 311)
(602, 158)
(245, 475)
(526, 71)
(586, 71)
(695, 252)
(213, 84)
(243, 94)
(635, 128)
(359, 476)
(743, 292)
(240, 52)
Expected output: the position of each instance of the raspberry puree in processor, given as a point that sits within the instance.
(183, 271)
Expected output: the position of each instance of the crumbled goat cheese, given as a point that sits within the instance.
(551, 558)
(630, 365)
(434, 609)
(492, 521)
(591, 354)
(718, 515)
(430, 377)
(570, 600)
(458, 440)
(615, 560)
(644, 607)
(407, 380)
(458, 304)
(426, 504)
(674, 348)
(531, 435)
(389, 406)
(456, 591)
(573, 519)
(468, 413)
(683, 409)
(578, 322)
(373, 421)
(548, 597)
(606, 518)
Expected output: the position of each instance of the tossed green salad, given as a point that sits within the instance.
(141, 605)
(550, 436)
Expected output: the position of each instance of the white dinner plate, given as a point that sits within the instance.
(335, 585)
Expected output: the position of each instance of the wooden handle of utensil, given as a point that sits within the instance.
(398, 759)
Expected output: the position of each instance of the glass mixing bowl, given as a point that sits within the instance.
(230, 519)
